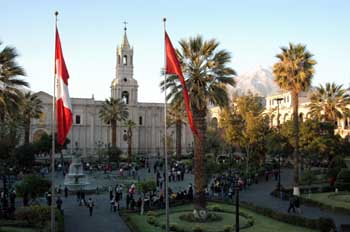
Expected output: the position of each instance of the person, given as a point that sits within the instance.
(65, 191)
(112, 205)
(91, 206)
(297, 204)
(291, 204)
(59, 203)
(48, 198)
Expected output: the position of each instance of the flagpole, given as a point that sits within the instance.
(53, 143)
(165, 142)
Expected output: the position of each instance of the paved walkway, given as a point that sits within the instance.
(260, 195)
(77, 217)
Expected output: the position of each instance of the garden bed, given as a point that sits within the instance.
(250, 220)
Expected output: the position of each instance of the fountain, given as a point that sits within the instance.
(75, 178)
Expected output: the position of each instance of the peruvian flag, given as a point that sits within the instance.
(173, 67)
(64, 118)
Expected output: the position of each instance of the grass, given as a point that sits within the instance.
(14, 229)
(261, 223)
(331, 199)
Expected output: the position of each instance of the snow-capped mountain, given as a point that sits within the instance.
(259, 81)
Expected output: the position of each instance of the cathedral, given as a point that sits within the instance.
(89, 133)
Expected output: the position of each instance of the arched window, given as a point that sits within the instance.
(125, 97)
(140, 120)
(125, 60)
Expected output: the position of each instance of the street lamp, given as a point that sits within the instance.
(279, 153)
(237, 199)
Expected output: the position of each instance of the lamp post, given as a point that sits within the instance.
(237, 200)
(279, 153)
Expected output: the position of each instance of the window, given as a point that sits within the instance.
(125, 60)
(77, 119)
(140, 120)
(125, 97)
(125, 80)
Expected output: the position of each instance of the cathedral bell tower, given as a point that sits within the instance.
(124, 86)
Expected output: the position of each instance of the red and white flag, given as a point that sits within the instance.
(173, 67)
(64, 118)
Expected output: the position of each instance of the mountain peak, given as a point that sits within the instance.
(259, 81)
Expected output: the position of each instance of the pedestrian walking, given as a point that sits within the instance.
(291, 204)
(65, 191)
(91, 206)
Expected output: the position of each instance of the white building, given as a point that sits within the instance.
(89, 133)
(286, 111)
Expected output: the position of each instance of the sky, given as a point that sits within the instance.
(252, 31)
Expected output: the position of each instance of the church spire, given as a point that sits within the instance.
(125, 42)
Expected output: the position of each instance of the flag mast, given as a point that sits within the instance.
(165, 140)
(53, 142)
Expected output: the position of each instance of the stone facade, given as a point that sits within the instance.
(89, 133)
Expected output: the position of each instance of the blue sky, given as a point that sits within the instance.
(252, 30)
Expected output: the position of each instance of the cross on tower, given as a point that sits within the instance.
(125, 22)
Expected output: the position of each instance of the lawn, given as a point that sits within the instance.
(331, 199)
(261, 223)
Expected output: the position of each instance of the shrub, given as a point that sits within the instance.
(343, 180)
(228, 228)
(39, 216)
(211, 217)
(151, 220)
(151, 213)
(33, 185)
(174, 227)
(216, 208)
(198, 228)
(326, 225)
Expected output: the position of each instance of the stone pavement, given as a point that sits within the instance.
(260, 195)
(77, 218)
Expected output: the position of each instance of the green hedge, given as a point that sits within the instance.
(343, 180)
(321, 224)
(38, 216)
(318, 204)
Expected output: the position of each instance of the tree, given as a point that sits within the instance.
(112, 111)
(207, 74)
(10, 83)
(33, 186)
(25, 155)
(31, 107)
(130, 124)
(177, 116)
(329, 103)
(293, 72)
(245, 126)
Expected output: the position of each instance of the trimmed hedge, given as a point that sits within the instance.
(39, 217)
(343, 180)
(336, 209)
(321, 224)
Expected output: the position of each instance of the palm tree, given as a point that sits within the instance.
(31, 107)
(176, 115)
(293, 72)
(329, 103)
(206, 73)
(130, 124)
(112, 111)
(10, 83)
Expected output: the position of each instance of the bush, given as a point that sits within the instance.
(33, 185)
(39, 216)
(174, 227)
(151, 220)
(198, 228)
(216, 208)
(151, 213)
(228, 228)
(211, 217)
(343, 180)
(326, 225)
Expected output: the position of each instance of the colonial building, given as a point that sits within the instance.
(89, 133)
(285, 109)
